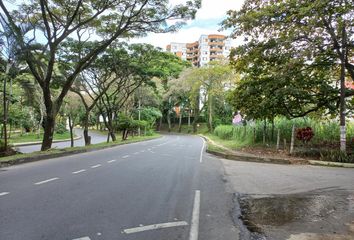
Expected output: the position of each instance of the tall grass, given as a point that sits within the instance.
(326, 132)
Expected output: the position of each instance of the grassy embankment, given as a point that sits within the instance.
(34, 137)
(54, 152)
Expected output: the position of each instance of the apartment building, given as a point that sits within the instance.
(207, 48)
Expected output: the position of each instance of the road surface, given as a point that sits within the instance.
(95, 138)
(169, 189)
(155, 190)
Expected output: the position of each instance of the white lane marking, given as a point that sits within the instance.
(46, 181)
(126, 156)
(194, 231)
(83, 238)
(201, 152)
(136, 153)
(3, 193)
(96, 166)
(154, 227)
(80, 171)
(111, 161)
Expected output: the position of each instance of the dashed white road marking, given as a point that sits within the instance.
(136, 153)
(194, 231)
(79, 171)
(154, 227)
(83, 238)
(201, 152)
(96, 166)
(3, 193)
(126, 156)
(46, 181)
(111, 161)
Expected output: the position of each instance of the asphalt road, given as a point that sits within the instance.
(293, 202)
(163, 189)
(95, 138)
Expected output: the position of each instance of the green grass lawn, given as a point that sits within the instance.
(75, 149)
(231, 144)
(33, 137)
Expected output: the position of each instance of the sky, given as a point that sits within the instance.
(207, 21)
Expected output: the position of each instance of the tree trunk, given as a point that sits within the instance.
(292, 143)
(169, 120)
(278, 140)
(113, 136)
(264, 131)
(196, 114)
(343, 137)
(71, 126)
(180, 121)
(5, 106)
(86, 131)
(49, 124)
(210, 118)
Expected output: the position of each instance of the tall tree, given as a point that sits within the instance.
(52, 22)
(315, 35)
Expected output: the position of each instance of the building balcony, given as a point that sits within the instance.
(216, 43)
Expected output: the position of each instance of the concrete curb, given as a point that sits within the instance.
(331, 164)
(44, 156)
(232, 156)
(40, 142)
(248, 158)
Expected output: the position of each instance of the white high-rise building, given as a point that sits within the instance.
(207, 48)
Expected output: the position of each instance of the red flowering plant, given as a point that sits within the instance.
(304, 134)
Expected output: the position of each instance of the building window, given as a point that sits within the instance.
(204, 58)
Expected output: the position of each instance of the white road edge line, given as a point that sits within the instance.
(3, 193)
(46, 181)
(126, 156)
(111, 161)
(194, 231)
(154, 227)
(83, 238)
(201, 152)
(80, 171)
(96, 166)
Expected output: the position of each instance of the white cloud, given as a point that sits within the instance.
(217, 8)
(211, 9)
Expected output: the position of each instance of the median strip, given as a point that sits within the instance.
(46, 181)
(154, 227)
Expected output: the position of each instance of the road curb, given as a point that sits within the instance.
(40, 142)
(331, 164)
(232, 156)
(64, 153)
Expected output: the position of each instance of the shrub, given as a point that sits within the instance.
(60, 128)
(304, 134)
(337, 156)
(224, 132)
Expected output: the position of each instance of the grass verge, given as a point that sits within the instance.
(33, 137)
(52, 153)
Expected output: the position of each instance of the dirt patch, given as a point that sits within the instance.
(316, 215)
